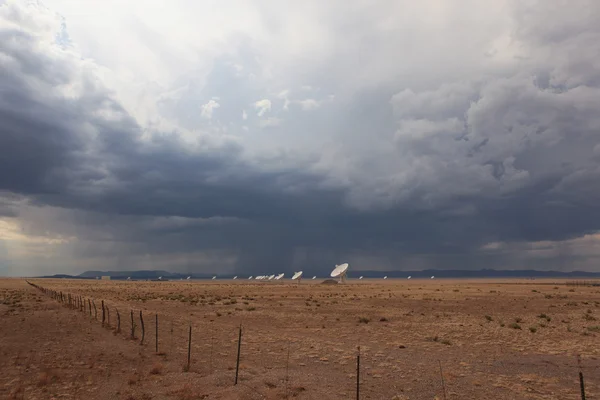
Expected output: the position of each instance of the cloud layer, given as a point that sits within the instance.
(251, 137)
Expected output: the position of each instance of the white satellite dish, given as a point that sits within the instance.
(360, 277)
(432, 276)
(250, 277)
(278, 277)
(128, 278)
(188, 278)
(214, 277)
(270, 277)
(160, 278)
(385, 277)
(340, 271)
(314, 277)
(297, 276)
(235, 277)
(409, 277)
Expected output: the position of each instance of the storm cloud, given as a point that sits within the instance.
(259, 139)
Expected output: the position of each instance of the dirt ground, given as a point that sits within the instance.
(491, 339)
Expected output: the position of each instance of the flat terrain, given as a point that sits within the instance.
(493, 340)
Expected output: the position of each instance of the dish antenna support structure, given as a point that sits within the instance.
(297, 276)
(340, 272)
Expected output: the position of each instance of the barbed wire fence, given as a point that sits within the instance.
(229, 352)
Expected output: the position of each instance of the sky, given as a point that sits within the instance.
(246, 137)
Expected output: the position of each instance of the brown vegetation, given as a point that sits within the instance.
(500, 340)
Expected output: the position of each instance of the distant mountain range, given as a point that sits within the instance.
(456, 274)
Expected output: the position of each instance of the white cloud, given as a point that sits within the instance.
(262, 106)
(284, 94)
(270, 122)
(244, 115)
(309, 104)
(208, 108)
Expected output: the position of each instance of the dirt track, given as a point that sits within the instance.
(51, 351)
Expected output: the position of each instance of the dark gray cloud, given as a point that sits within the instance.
(465, 173)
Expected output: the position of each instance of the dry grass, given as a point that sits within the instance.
(43, 379)
(188, 392)
(470, 326)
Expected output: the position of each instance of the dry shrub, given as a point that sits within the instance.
(156, 369)
(132, 380)
(270, 384)
(296, 390)
(43, 379)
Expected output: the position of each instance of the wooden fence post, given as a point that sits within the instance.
(118, 321)
(132, 326)
(95, 310)
(358, 374)
(237, 364)
(156, 332)
(143, 329)
(90, 306)
(103, 313)
(189, 349)
(107, 316)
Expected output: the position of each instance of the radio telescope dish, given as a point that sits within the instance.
(340, 271)
(314, 277)
(432, 276)
(250, 277)
(214, 277)
(278, 277)
(360, 277)
(188, 278)
(235, 277)
(409, 277)
(297, 276)
(128, 278)
(385, 277)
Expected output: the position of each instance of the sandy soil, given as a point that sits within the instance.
(493, 340)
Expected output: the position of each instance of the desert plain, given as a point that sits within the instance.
(418, 339)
